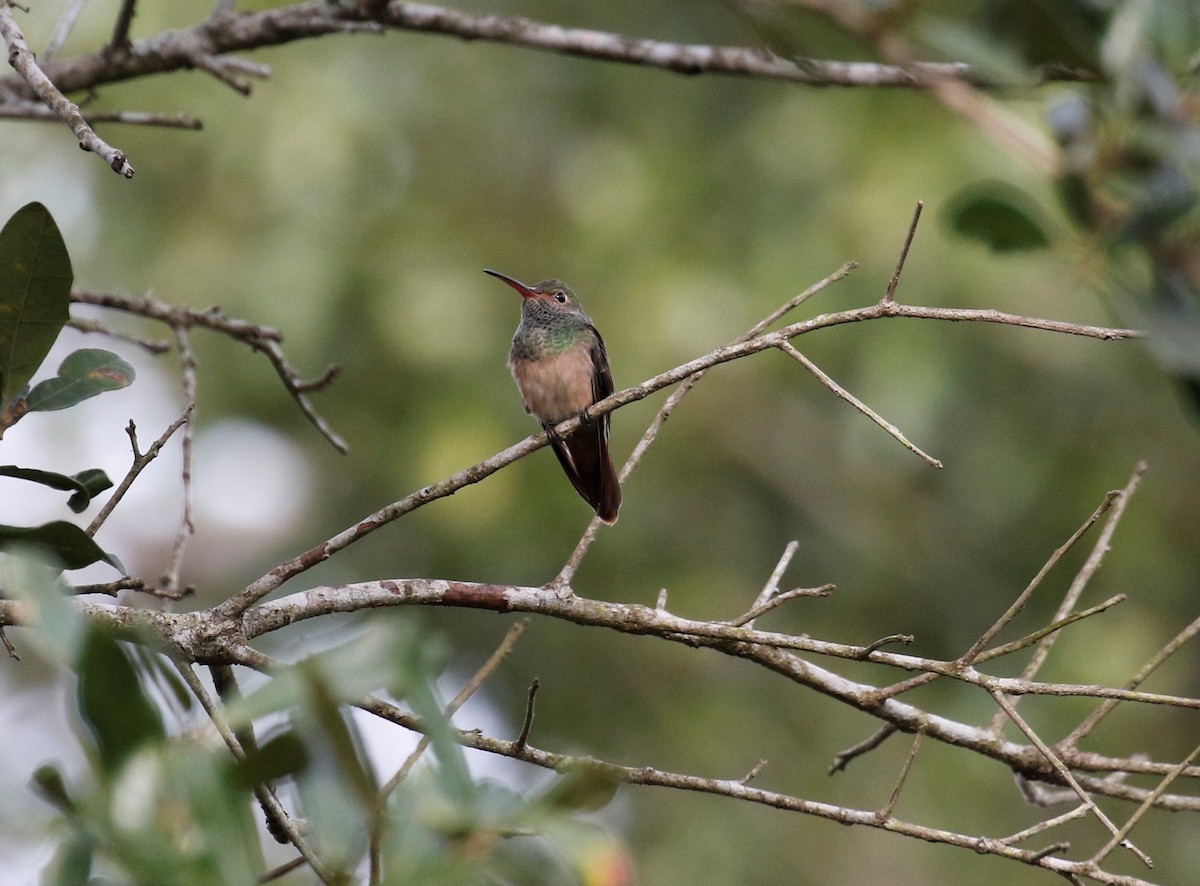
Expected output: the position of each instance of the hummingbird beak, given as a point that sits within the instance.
(525, 291)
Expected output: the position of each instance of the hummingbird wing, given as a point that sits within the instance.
(584, 455)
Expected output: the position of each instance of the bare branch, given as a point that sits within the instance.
(62, 30)
(140, 460)
(1065, 773)
(31, 111)
(740, 790)
(26, 65)
(862, 407)
(1095, 558)
(869, 744)
(568, 571)
(890, 293)
(260, 338)
(990, 634)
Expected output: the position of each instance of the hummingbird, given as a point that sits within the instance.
(560, 365)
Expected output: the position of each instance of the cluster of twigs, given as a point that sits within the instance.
(37, 91)
(223, 635)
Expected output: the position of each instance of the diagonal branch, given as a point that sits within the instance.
(20, 57)
(448, 486)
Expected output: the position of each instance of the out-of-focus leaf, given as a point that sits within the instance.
(112, 701)
(35, 294)
(997, 62)
(1049, 32)
(28, 576)
(83, 374)
(388, 656)
(84, 485)
(72, 863)
(48, 781)
(73, 547)
(585, 788)
(157, 668)
(281, 755)
(999, 216)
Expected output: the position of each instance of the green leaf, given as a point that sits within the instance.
(586, 787)
(72, 863)
(999, 216)
(73, 547)
(35, 294)
(48, 781)
(113, 702)
(29, 575)
(84, 485)
(281, 755)
(83, 374)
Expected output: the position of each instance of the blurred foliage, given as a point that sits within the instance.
(353, 201)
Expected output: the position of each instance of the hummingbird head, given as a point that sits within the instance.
(548, 298)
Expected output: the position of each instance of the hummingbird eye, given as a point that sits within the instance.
(560, 297)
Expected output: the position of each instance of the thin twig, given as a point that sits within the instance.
(890, 294)
(267, 798)
(979, 645)
(843, 758)
(1084, 575)
(527, 723)
(1120, 838)
(645, 775)
(749, 617)
(127, 583)
(1065, 773)
(1008, 648)
(472, 686)
(260, 338)
(771, 588)
(120, 37)
(18, 110)
(154, 346)
(754, 772)
(62, 30)
(225, 33)
(8, 647)
(187, 361)
(20, 57)
(789, 349)
(140, 460)
(1104, 708)
(651, 433)
(1042, 826)
(886, 812)
(282, 870)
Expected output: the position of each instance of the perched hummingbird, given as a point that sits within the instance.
(561, 368)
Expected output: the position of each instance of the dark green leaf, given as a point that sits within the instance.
(94, 481)
(112, 701)
(998, 216)
(83, 374)
(35, 294)
(31, 574)
(84, 485)
(284, 754)
(48, 781)
(73, 547)
(72, 864)
(585, 788)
